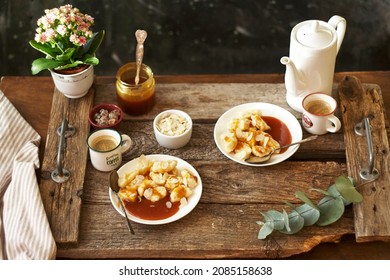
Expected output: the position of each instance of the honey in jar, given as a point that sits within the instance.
(135, 99)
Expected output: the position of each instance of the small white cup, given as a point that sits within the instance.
(172, 141)
(106, 147)
(318, 114)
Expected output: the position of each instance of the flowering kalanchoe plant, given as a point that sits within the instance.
(64, 35)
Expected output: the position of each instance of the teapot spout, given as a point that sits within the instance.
(294, 79)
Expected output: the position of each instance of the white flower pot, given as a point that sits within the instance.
(74, 85)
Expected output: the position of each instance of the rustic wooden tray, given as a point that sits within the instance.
(224, 222)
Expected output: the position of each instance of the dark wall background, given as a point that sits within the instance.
(203, 36)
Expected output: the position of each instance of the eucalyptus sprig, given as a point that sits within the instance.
(327, 211)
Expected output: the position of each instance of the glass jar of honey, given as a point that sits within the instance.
(135, 99)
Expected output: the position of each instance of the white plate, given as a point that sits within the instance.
(221, 127)
(192, 200)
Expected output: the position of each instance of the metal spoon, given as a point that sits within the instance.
(268, 156)
(114, 186)
(140, 35)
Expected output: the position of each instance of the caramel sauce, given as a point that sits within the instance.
(137, 104)
(147, 210)
(279, 131)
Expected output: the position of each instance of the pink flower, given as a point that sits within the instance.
(82, 41)
(89, 18)
(51, 17)
(49, 34)
(61, 29)
(66, 22)
(73, 38)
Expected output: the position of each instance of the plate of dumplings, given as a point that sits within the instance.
(253, 130)
(157, 189)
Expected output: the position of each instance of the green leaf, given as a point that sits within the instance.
(321, 191)
(277, 218)
(44, 63)
(66, 56)
(93, 44)
(302, 196)
(296, 223)
(286, 221)
(309, 214)
(266, 229)
(70, 65)
(335, 193)
(347, 190)
(44, 48)
(331, 209)
(91, 61)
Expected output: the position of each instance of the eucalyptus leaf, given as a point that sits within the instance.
(277, 217)
(296, 223)
(286, 220)
(309, 214)
(302, 196)
(335, 193)
(347, 190)
(321, 191)
(290, 205)
(266, 229)
(331, 209)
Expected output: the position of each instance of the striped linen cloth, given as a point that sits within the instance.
(24, 229)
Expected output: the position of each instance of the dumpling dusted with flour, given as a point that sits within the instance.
(155, 194)
(247, 136)
(180, 192)
(242, 151)
(189, 180)
(229, 141)
(155, 180)
(164, 166)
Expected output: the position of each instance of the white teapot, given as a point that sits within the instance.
(310, 68)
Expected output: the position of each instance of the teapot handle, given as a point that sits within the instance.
(340, 24)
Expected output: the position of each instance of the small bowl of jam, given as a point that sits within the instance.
(105, 116)
(172, 128)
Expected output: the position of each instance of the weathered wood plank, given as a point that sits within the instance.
(215, 98)
(105, 230)
(372, 215)
(62, 202)
(228, 187)
(202, 144)
(232, 197)
(204, 233)
(211, 230)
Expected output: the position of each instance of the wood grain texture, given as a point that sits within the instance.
(223, 225)
(233, 194)
(372, 215)
(62, 202)
(103, 233)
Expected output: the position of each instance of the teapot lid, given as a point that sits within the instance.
(314, 35)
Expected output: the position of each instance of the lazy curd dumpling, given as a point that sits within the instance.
(155, 180)
(247, 136)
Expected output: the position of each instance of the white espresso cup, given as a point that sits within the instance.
(106, 147)
(318, 114)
